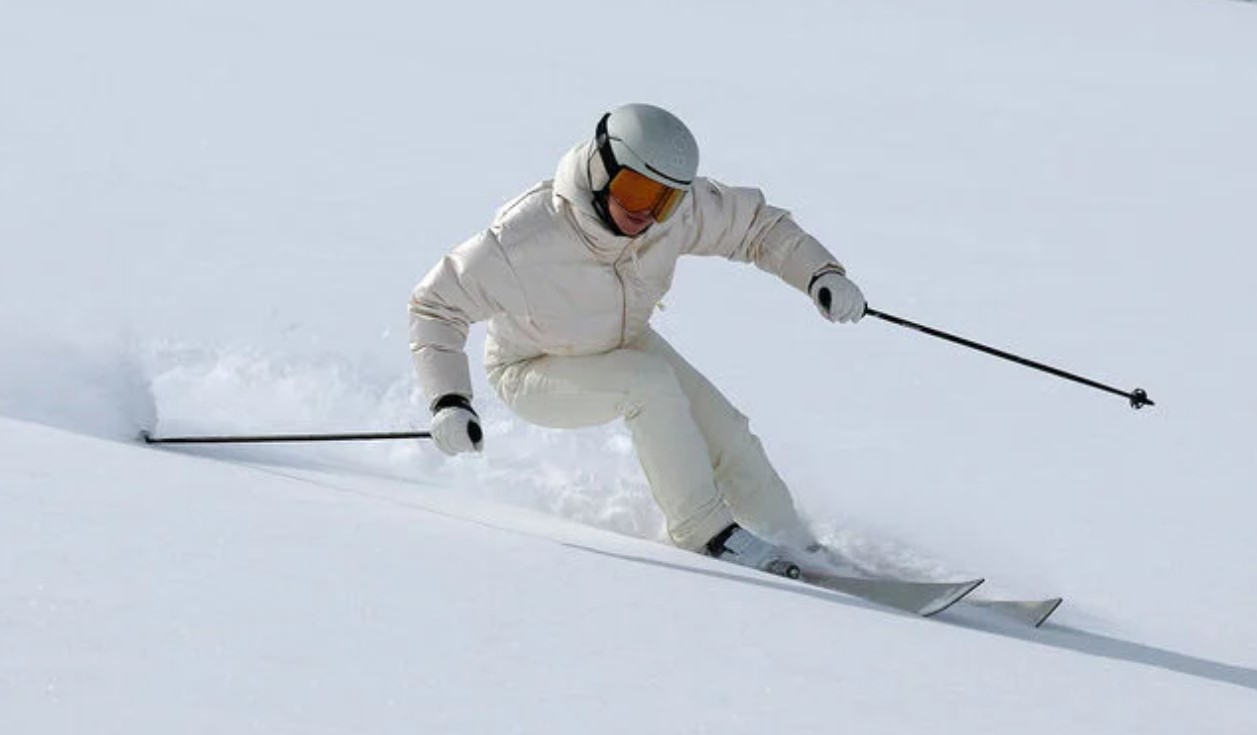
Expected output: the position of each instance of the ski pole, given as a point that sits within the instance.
(255, 439)
(1138, 398)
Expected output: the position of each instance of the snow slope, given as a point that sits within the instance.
(211, 215)
(246, 597)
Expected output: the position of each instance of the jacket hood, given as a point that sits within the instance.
(574, 183)
(572, 179)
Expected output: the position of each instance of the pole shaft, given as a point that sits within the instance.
(900, 321)
(271, 438)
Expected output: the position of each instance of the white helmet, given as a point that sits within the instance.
(649, 141)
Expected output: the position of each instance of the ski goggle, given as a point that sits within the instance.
(635, 191)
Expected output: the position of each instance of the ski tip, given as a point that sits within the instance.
(1032, 613)
(974, 584)
(1053, 603)
(962, 591)
(145, 436)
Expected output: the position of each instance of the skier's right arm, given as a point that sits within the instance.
(463, 288)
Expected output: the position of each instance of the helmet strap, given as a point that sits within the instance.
(603, 208)
(602, 204)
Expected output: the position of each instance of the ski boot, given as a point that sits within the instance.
(739, 546)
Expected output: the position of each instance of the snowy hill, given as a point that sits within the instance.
(211, 216)
(197, 595)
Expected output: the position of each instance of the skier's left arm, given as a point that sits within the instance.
(737, 223)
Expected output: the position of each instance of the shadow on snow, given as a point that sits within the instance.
(1054, 636)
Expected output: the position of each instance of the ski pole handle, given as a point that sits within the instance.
(1138, 397)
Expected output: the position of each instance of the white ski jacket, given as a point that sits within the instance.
(551, 279)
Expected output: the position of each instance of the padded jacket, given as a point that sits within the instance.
(552, 279)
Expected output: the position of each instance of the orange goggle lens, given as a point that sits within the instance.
(638, 193)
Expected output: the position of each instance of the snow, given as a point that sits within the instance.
(211, 215)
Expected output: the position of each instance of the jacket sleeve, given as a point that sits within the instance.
(463, 288)
(738, 224)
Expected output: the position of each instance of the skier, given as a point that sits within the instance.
(567, 276)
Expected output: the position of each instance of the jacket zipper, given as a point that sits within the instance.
(615, 267)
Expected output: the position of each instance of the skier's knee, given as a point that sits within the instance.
(652, 381)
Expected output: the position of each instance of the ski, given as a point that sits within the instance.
(914, 596)
(1030, 612)
(919, 598)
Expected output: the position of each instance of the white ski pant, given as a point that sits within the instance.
(705, 467)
